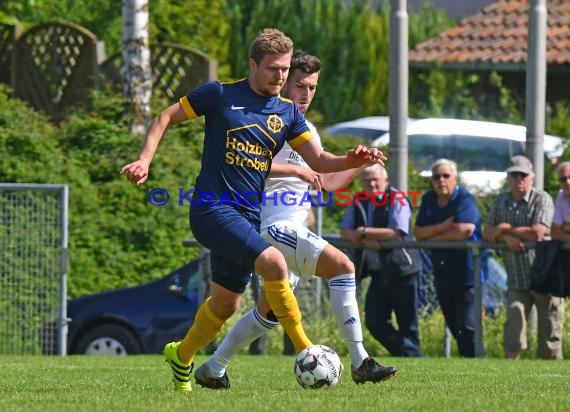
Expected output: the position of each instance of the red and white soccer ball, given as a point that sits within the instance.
(318, 367)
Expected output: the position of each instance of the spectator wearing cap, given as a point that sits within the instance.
(449, 212)
(521, 214)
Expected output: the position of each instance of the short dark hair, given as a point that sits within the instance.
(306, 63)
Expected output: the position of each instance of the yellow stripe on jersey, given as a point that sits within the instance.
(299, 140)
(187, 108)
(284, 99)
(233, 81)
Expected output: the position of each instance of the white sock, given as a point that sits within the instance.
(247, 329)
(345, 307)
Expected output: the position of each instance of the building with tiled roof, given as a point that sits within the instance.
(495, 38)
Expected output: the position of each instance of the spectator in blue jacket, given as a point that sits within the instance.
(449, 212)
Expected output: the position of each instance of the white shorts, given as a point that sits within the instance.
(299, 245)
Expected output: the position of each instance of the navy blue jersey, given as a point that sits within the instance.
(244, 130)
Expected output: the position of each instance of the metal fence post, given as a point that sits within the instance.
(64, 261)
(446, 341)
(478, 289)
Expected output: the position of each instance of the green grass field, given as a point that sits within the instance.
(267, 383)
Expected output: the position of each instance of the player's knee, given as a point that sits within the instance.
(345, 265)
(342, 265)
(271, 264)
(333, 262)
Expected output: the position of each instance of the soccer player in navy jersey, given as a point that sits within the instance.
(247, 123)
(307, 254)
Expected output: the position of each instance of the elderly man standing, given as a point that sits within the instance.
(392, 290)
(449, 212)
(525, 214)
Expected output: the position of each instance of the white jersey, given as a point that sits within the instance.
(284, 194)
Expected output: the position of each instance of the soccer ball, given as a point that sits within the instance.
(318, 367)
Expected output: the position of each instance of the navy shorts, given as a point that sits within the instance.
(234, 242)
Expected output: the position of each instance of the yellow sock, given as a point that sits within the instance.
(205, 329)
(284, 305)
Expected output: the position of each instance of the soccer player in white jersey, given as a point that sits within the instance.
(283, 225)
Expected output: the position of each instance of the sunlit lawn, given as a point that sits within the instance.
(267, 383)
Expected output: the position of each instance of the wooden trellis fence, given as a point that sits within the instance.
(53, 66)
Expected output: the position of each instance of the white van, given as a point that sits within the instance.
(480, 149)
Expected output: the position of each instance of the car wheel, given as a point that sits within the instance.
(111, 340)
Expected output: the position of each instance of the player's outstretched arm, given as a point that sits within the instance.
(307, 175)
(137, 171)
(337, 180)
(325, 162)
(318, 181)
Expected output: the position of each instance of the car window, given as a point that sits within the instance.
(194, 283)
(472, 153)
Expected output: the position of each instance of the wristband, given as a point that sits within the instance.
(363, 233)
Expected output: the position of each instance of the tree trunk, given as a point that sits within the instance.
(136, 71)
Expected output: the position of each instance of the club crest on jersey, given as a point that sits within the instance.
(274, 123)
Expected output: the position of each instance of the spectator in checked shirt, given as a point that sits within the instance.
(519, 215)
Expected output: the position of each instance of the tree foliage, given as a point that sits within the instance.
(200, 24)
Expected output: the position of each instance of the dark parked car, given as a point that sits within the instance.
(139, 319)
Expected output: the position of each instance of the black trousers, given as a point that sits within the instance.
(458, 310)
(398, 296)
